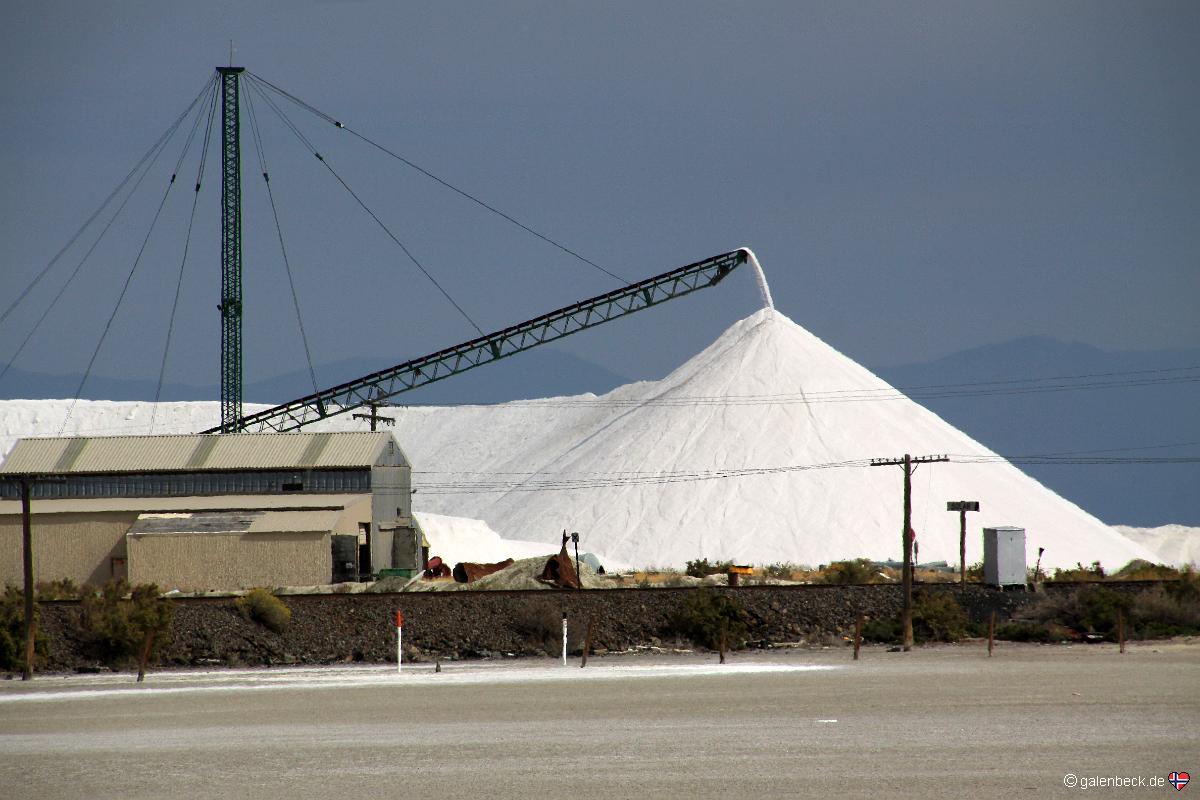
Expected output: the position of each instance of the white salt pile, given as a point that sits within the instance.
(755, 450)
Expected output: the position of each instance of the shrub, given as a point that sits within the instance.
(1168, 611)
(937, 617)
(887, 630)
(261, 606)
(784, 571)
(1141, 570)
(1088, 609)
(1080, 573)
(117, 630)
(701, 568)
(1028, 632)
(860, 570)
(64, 589)
(12, 631)
(538, 623)
(705, 614)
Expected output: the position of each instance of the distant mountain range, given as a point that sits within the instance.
(1011, 424)
(1089, 419)
(545, 372)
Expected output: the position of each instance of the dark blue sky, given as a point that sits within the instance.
(916, 178)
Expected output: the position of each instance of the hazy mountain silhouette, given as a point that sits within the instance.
(1090, 419)
(538, 373)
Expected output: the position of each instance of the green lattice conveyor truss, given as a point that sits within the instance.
(494, 346)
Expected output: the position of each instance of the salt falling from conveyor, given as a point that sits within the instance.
(760, 277)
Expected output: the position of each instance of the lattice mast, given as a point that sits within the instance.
(231, 252)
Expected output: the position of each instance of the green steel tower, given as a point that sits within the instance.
(231, 252)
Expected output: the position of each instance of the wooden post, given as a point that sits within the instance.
(907, 575)
(724, 641)
(991, 633)
(147, 645)
(27, 565)
(399, 641)
(858, 626)
(962, 546)
(587, 643)
(962, 507)
(1121, 629)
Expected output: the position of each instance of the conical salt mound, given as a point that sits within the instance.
(766, 396)
(755, 450)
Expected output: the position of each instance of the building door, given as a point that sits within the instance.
(364, 551)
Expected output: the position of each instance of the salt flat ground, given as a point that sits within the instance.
(936, 722)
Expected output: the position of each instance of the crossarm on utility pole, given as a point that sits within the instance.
(492, 347)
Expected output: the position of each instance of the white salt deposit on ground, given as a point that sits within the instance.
(1176, 545)
(458, 539)
(767, 396)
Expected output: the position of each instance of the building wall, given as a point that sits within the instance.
(76, 545)
(195, 562)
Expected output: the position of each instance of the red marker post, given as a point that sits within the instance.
(399, 640)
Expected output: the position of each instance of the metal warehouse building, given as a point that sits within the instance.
(211, 512)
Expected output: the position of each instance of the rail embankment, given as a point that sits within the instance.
(336, 628)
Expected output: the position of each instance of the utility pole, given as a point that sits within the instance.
(27, 565)
(25, 485)
(908, 462)
(962, 507)
(374, 416)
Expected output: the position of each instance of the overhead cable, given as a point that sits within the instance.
(317, 112)
(128, 280)
(309, 146)
(262, 158)
(162, 368)
(75, 237)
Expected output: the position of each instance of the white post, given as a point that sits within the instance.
(399, 640)
(564, 638)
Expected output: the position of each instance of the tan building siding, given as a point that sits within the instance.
(193, 562)
(79, 546)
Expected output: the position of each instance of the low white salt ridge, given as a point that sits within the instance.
(473, 462)
(77, 689)
(1175, 545)
(458, 539)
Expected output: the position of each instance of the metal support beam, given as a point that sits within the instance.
(494, 346)
(231, 252)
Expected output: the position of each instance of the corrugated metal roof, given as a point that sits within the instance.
(202, 452)
(235, 522)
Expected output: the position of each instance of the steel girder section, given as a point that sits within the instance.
(495, 346)
(231, 252)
